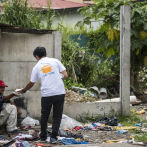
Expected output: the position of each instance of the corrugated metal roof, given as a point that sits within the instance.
(56, 4)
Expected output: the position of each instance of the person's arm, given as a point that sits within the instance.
(65, 74)
(18, 110)
(8, 97)
(28, 86)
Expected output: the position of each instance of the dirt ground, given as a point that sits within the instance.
(91, 136)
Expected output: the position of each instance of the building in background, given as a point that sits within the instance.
(66, 11)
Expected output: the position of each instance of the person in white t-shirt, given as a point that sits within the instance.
(51, 72)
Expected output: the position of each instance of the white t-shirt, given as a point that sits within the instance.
(48, 71)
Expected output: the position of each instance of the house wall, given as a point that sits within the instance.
(17, 62)
(71, 17)
(77, 1)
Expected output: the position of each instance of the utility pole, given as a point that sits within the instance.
(125, 28)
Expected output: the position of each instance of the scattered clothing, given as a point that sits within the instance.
(77, 128)
(72, 141)
(69, 134)
(22, 136)
(35, 136)
(2, 137)
(26, 144)
(111, 121)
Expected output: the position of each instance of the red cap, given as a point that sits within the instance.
(2, 84)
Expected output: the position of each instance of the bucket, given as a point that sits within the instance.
(103, 93)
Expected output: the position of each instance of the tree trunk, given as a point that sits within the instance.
(136, 79)
(132, 82)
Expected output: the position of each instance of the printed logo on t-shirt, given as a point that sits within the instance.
(47, 70)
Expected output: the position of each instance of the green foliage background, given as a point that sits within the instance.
(106, 39)
(22, 13)
(84, 67)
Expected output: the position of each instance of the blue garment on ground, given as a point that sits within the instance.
(26, 144)
(72, 141)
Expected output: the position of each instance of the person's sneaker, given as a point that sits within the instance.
(41, 140)
(53, 140)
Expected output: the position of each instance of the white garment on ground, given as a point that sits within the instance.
(23, 136)
(8, 116)
(48, 71)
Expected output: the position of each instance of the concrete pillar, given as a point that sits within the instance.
(125, 59)
(57, 45)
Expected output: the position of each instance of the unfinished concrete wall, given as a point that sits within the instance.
(17, 62)
(75, 110)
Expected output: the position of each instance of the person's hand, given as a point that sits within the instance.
(20, 91)
(17, 93)
(19, 112)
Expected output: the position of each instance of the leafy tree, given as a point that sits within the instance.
(21, 13)
(106, 38)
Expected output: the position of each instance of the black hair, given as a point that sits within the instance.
(40, 52)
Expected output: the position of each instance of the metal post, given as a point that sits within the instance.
(125, 58)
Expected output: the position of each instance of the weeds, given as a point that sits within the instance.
(87, 117)
(130, 120)
(141, 137)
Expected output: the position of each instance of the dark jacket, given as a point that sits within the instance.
(2, 101)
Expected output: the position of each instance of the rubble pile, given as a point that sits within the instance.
(72, 96)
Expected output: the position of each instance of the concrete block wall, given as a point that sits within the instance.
(75, 110)
(17, 62)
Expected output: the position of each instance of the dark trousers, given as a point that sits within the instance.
(46, 103)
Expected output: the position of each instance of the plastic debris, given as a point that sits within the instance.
(144, 125)
(140, 112)
(72, 141)
(119, 124)
(133, 110)
(122, 131)
(114, 141)
(111, 121)
(28, 121)
(123, 128)
(77, 128)
(138, 143)
(138, 124)
(125, 141)
(84, 91)
(68, 122)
